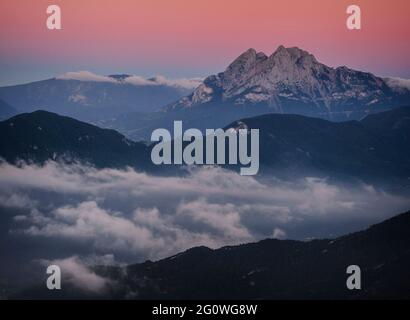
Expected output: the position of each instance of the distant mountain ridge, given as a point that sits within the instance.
(41, 135)
(90, 97)
(374, 149)
(289, 81)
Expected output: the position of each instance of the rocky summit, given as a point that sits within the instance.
(291, 80)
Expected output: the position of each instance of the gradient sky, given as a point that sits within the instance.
(185, 38)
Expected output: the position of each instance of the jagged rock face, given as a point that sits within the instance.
(292, 81)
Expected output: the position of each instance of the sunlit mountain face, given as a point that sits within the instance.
(289, 81)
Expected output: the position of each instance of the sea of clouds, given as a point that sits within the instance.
(130, 216)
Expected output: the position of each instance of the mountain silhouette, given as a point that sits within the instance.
(269, 269)
(374, 149)
(41, 135)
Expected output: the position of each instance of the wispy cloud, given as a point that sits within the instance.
(84, 76)
(114, 211)
(76, 271)
(132, 79)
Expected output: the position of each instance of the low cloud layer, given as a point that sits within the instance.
(135, 215)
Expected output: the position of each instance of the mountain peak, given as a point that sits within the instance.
(291, 80)
(292, 53)
(280, 49)
(249, 52)
(282, 55)
(243, 61)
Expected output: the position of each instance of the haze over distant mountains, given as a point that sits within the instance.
(6, 111)
(88, 96)
(374, 149)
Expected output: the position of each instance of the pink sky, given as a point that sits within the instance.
(196, 38)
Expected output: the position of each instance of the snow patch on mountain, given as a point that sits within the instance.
(78, 98)
(256, 97)
(202, 94)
